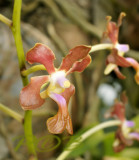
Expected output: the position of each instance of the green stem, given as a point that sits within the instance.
(33, 69)
(28, 133)
(21, 58)
(11, 113)
(5, 20)
(85, 135)
(17, 37)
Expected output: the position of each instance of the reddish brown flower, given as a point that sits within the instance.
(125, 135)
(59, 88)
(116, 58)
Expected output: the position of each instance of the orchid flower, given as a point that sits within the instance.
(116, 58)
(59, 87)
(125, 133)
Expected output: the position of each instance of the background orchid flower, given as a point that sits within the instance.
(116, 58)
(125, 134)
(59, 88)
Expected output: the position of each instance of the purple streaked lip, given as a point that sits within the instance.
(129, 123)
(122, 47)
(134, 135)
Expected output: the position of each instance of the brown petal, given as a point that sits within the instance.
(117, 111)
(75, 54)
(135, 65)
(122, 15)
(123, 97)
(122, 141)
(30, 95)
(56, 124)
(61, 120)
(118, 73)
(68, 93)
(80, 66)
(112, 32)
(116, 59)
(41, 54)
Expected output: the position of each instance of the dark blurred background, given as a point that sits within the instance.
(62, 25)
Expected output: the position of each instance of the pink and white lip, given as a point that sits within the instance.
(129, 124)
(134, 135)
(122, 47)
(59, 77)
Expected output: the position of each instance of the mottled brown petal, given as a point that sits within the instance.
(56, 124)
(122, 141)
(80, 66)
(41, 54)
(118, 60)
(30, 95)
(123, 97)
(122, 15)
(112, 32)
(75, 54)
(69, 127)
(118, 111)
(61, 120)
(135, 65)
(118, 73)
(68, 93)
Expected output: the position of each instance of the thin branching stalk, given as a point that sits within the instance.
(101, 47)
(5, 20)
(33, 69)
(85, 135)
(11, 113)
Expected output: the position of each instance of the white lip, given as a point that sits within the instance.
(56, 76)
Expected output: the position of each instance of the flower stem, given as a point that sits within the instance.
(32, 69)
(101, 47)
(11, 113)
(21, 58)
(29, 134)
(5, 20)
(17, 37)
(85, 135)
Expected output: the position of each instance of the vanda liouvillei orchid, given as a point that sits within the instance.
(116, 58)
(59, 88)
(125, 134)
